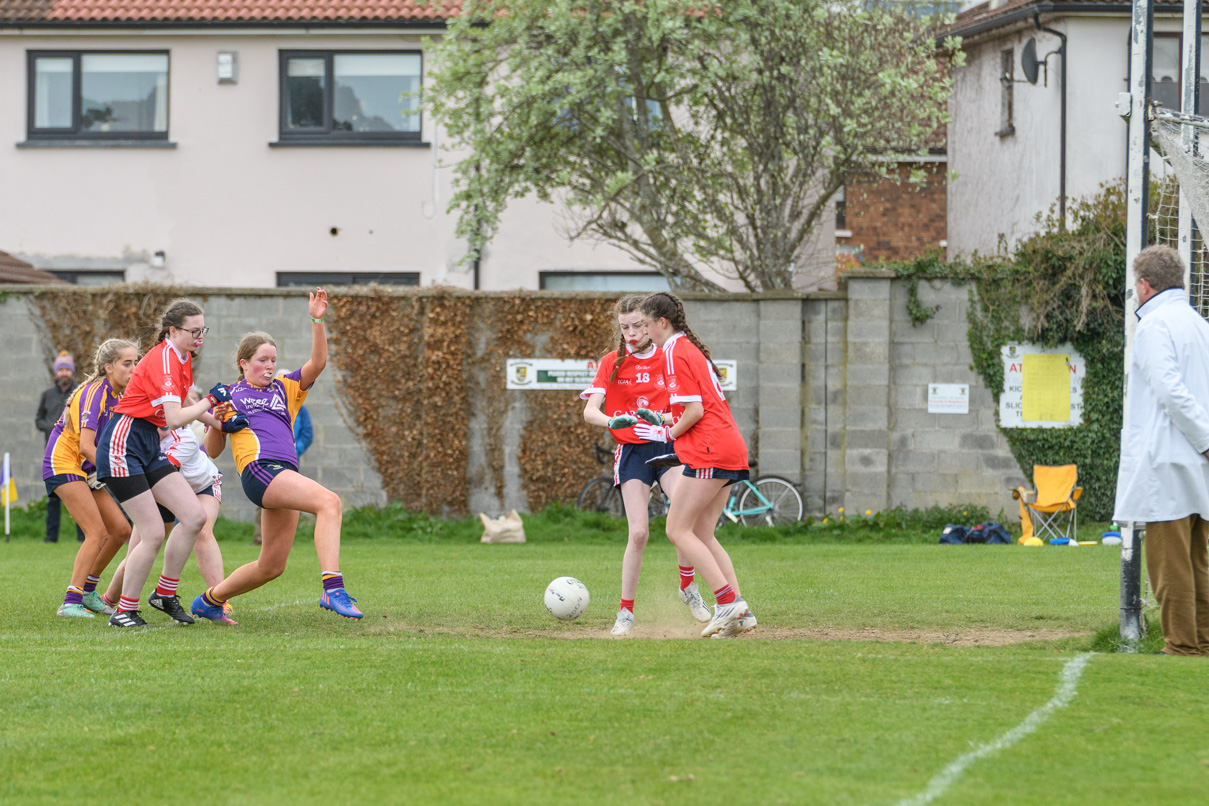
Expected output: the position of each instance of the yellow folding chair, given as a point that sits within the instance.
(1053, 503)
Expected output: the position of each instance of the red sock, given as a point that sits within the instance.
(166, 586)
(724, 595)
(687, 575)
(127, 604)
(627, 604)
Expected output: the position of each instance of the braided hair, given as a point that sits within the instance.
(109, 352)
(628, 304)
(665, 305)
(175, 315)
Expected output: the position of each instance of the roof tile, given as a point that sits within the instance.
(134, 11)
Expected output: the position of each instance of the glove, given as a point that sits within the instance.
(653, 433)
(622, 421)
(654, 418)
(237, 423)
(219, 394)
(93, 482)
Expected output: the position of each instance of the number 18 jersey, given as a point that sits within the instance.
(639, 385)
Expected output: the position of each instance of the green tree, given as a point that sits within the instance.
(692, 136)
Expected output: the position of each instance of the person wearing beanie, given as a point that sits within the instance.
(50, 406)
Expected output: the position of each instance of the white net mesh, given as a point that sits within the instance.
(1181, 176)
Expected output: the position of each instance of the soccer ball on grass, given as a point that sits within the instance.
(566, 598)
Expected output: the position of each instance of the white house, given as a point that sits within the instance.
(250, 143)
(1004, 138)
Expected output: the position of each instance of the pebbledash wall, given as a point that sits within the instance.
(832, 394)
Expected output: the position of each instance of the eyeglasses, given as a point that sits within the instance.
(199, 332)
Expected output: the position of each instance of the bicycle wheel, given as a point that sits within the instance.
(599, 495)
(770, 500)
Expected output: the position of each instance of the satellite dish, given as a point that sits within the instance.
(1028, 60)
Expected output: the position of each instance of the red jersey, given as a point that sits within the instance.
(639, 385)
(162, 375)
(714, 440)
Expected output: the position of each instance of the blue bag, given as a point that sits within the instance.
(954, 535)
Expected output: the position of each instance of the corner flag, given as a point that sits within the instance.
(8, 487)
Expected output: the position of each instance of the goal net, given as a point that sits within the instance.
(1181, 185)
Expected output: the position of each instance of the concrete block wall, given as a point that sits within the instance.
(832, 395)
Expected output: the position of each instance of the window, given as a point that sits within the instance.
(841, 209)
(314, 278)
(90, 277)
(1165, 79)
(602, 281)
(98, 95)
(1007, 69)
(350, 98)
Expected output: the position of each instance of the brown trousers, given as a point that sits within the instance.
(1177, 562)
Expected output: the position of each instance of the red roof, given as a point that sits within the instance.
(13, 270)
(225, 11)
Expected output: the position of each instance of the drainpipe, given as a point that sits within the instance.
(1062, 124)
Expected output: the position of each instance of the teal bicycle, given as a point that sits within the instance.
(763, 501)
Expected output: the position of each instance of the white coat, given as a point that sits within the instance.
(1164, 475)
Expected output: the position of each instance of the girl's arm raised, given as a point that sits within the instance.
(318, 360)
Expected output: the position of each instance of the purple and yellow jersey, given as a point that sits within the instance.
(270, 411)
(90, 406)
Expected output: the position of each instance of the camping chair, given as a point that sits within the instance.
(1053, 503)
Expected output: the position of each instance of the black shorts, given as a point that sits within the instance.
(129, 459)
(55, 482)
(257, 476)
(630, 462)
(731, 476)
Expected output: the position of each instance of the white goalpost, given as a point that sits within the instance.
(1179, 176)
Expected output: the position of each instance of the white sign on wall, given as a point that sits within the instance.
(1042, 386)
(556, 373)
(948, 398)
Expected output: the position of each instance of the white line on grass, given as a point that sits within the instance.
(1062, 697)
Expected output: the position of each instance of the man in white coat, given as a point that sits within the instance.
(1163, 482)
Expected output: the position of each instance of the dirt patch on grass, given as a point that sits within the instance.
(657, 632)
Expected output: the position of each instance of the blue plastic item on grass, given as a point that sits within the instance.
(1059, 541)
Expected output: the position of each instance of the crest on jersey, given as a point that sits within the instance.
(643, 402)
(277, 404)
(168, 385)
(659, 381)
(672, 385)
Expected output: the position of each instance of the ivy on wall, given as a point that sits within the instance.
(416, 371)
(431, 368)
(1059, 286)
(79, 319)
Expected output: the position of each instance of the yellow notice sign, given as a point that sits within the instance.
(1046, 389)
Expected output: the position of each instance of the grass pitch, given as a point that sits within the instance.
(875, 667)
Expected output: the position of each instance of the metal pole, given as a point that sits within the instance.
(1189, 80)
(8, 499)
(1137, 204)
(1062, 121)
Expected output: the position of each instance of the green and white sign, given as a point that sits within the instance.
(572, 375)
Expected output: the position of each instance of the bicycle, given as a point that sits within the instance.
(599, 494)
(766, 500)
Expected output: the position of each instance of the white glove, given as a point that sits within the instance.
(93, 483)
(653, 433)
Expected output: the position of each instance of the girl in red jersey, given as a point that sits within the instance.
(135, 469)
(67, 469)
(628, 387)
(267, 459)
(713, 452)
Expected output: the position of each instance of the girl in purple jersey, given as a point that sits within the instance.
(68, 471)
(267, 462)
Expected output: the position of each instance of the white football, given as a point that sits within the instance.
(566, 598)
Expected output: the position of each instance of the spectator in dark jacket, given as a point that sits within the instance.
(50, 408)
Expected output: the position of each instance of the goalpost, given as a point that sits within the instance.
(1181, 181)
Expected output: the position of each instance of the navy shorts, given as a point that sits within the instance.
(630, 461)
(257, 476)
(55, 482)
(129, 459)
(731, 476)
